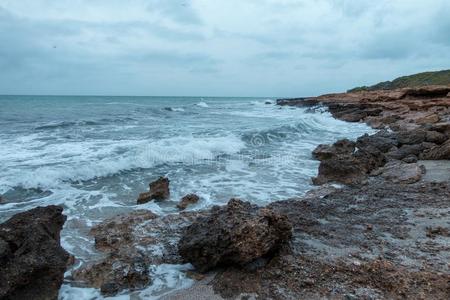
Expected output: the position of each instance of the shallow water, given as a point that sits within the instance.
(94, 155)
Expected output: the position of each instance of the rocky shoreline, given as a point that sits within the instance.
(376, 227)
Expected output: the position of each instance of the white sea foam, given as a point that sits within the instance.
(47, 166)
(202, 104)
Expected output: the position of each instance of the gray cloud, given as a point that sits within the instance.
(199, 47)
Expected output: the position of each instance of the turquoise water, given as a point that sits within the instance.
(94, 155)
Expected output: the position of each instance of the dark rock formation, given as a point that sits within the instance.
(323, 151)
(187, 200)
(235, 234)
(31, 257)
(159, 190)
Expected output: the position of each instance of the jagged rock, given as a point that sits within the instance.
(437, 152)
(382, 140)
(32, 260)
(324, 151)
(159, 190)
(235, 234)
(187, 200)
(348, 167)
(399, 172)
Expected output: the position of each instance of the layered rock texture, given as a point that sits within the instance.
(31, 258)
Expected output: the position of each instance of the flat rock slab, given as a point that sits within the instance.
(437, 170)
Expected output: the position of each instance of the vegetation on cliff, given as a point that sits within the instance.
(416, 80)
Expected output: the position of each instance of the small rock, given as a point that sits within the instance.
(187, 200)
(369, 227)
(410, 159)
(159, 190)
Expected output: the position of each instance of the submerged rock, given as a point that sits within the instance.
(235, 234)
(187, 200)
(159, 190)
(132, 243)
(31, 257)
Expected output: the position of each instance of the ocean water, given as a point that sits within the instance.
(94, 155)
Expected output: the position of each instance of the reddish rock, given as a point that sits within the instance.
(235, 234)
(159, 190)
(187, 200)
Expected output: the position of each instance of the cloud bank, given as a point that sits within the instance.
(217, 48)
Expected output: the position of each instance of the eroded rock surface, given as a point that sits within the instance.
(159, 190)
(187, 200)
(235, 234)
(132, 243)
(31, 257)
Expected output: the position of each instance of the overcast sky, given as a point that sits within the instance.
(217, 48)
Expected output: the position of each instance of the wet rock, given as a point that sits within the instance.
(115, 274)
(32, 260)
(323, 151)
(399, 172)
(235, 234)
(437, 152)
(187, 200)
(132, 243)
(159, 190)
(112, 233)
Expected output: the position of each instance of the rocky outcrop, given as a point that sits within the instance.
(235, 234)
(31, 257)
(159, 190)
(187, 200)
(406, 108)
(340, 162)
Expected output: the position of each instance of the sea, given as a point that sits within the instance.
(93, 155)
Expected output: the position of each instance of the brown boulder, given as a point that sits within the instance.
(235, 234)
(31, 257)
(159, 190)
(187, 200)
